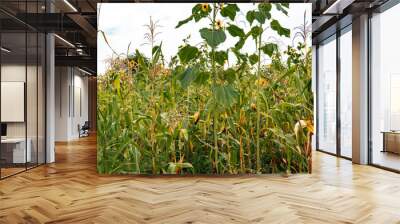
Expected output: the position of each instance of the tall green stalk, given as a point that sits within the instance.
(258, 45)
(214, 75)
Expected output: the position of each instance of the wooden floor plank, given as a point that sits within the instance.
(70, 191)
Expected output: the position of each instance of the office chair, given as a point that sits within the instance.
(84, 130)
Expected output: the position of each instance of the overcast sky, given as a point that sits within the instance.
(123, 23)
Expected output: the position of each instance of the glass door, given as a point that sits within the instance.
(385, 90)
(327, 96)
(14, 153)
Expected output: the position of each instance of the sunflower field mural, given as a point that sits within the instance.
(216, 106)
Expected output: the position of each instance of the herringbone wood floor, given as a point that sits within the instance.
(70, 191)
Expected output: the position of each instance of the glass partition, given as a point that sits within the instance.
(346, 92)
(385, 89)
(22, 77)
(13, 94)
(327, 95)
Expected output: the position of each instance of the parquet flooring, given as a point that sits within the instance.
(70, 191)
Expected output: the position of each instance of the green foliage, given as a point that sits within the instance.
(187, 53)
(282, 7)
(235, 31)
(253, 59)
(230, 11)
(198, 13)
(226, 95)
(269, 49)
(188, 76)
(250, 16)
(275, 25)
(221, 57)
(213, 37)
(261, 15)
(229, 75)
(256, 31)
(203, 114)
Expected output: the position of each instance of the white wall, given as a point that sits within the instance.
(70, 83)
(62, 82)
(12, 73)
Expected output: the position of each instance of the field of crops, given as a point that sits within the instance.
(210, 110)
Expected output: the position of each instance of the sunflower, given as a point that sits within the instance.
(218, 24)
(132, 64)
(205, 7)
(261, 82)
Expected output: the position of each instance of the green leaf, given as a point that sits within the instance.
(117, 84)
(240, 44)
(265, 7)
(275, 25)
(196, 9)
(264, 12)
(250, 16)
(197, 14)
(156, 51)
(141, 60)
(225, 95)
(188, 76)
(260, 17)
(253, 59)
(269, 48)
(187, 53)
(213, 37)
(281, 7)
(235, 31)
(256, 31)
(220, 57)
(229, 75)
(239, 56)
(202, 78)
(230, 11)
(182, 22)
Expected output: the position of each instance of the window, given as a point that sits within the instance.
(385, 89)
(327, 95)
(346, 92)
(22, 77)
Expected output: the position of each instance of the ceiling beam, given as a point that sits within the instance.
(78, 61)
(86, 26)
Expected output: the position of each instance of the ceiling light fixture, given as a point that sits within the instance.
(65, 41)
(70, 5)
(5, 50)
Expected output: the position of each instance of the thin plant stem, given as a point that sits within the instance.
(258, 162)
(214, 75)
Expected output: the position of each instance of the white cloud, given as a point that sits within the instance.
(123, 23)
